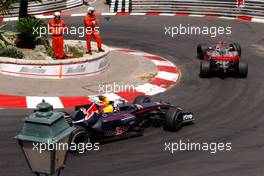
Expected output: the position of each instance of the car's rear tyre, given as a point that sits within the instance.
(173, 119)
(201, 51)
(79, 136)
(141, 99)
(205, 69)
(242, 69)
(236, 47)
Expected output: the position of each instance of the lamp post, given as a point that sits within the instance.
(44, 140)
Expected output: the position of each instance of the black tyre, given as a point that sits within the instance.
(201, 51)
(173, 119)
(242, 70)
(236, 47)
(79, 136)
(141, 100)
(205, 69)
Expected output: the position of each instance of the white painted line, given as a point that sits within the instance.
(167, 76)
(45, 17)
(39, 16)
(78, 14)
(163, 63)
(108, 14)
(257, 20)
(137, 14)
(167, 14)
(11, 19)
(150, 89)
(32, 102)
(192, 15)
(226, 18)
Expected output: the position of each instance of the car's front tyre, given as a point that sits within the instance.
(173, 119)
(79, 136)
(141, 100)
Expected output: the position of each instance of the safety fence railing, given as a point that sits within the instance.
(254, 8)
(121, 5)
(45, 6)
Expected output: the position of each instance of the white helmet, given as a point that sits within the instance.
(57, 14)
(90, 9)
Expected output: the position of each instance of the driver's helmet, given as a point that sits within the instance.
(103, 99)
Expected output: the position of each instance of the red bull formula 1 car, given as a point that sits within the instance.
(128, 120)
(221, 58)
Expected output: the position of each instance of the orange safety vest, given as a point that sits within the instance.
(57, 27)
(88, 21)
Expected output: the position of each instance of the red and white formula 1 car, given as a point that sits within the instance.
(221, 58)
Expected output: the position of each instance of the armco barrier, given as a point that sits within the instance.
(253, 8)
(46, 6)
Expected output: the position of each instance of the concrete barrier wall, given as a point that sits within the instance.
(56, 69)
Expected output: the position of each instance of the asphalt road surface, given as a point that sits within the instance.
(227, 110)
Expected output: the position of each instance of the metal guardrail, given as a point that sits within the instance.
(46, 6)
(254, 8)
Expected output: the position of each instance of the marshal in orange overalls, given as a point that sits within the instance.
(57, 28)
(91, 23)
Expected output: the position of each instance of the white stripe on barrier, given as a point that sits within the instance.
(127, 6)
(119, 7)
